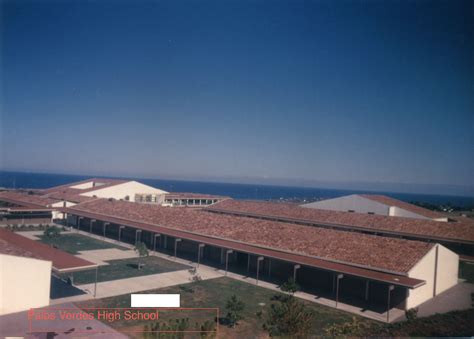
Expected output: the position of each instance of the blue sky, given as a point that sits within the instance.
(262, 91)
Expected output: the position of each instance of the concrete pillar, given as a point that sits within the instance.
(90, 227)
(258, 266)
(366, 290)
(105, 226)
(157, 235)
(389, 290)
(200, 253)
(227, 259)
(338, 277)
(120, 232)
(248, 262)
(295, 269)
(138, 235)
(79, 222)
(176, 241)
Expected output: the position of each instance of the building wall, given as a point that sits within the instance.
(424, 270)
(24, 283)
(122, 190)
(57, 214)
(448, 269)
(360, 204)
(395, 211)
(34, 221)
(446, 275)
(351, 202)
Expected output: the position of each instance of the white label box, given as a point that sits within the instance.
(156, 300)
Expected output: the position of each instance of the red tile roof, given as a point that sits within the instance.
(15, 244)
(368, 251)
(383, 199)
(26, 200)
(69, 194)
(420, 228)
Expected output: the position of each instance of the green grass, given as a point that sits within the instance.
(466, 271)
(452, 324)
(127, 268)
(73, 243)
(215, 293)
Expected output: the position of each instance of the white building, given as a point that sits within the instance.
(24, 283)
(376, 204)
(74, 193)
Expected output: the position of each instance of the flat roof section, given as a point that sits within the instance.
(14, 244)
(106, 182)
(69, 194)
(26, 209)
(458, 232)
(399, 280)
(368, 251)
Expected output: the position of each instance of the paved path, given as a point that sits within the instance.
(144, 283)
(101, 256)
(31, 234)
(456, 298)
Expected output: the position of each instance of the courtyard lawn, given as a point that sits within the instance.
(215, 293)
(127, 268)
(466, 271)
(73, 243)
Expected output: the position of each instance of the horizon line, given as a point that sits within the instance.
(258, 182)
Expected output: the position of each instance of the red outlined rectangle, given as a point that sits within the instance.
(34, 330)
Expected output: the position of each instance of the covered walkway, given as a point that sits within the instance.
(333, 284)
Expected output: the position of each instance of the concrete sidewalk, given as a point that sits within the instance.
(456, 298)
(33, 235)
(146, 282)
(101, 256)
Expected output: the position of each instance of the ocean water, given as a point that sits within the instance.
(236, 191)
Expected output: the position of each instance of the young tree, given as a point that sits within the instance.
(290, 286)
(52, 234)
(234, 308)
(289, 317)
(142, 251)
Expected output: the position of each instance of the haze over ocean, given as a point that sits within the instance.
(236, 191)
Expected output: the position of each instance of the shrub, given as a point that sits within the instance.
(207, 329)
(142, 251)
(290, 286)
(234, 308)
(411, 314)
(52, 232)
(289, 317)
